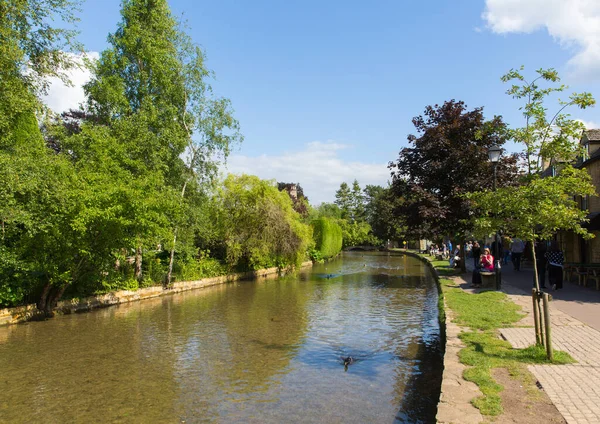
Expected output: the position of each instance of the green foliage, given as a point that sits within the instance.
(259, 225)
(546, 139)
(343, 198)
(357, 234)
(327, 235)
(540, 206)
(537, 209)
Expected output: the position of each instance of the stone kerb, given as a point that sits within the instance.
(29, 312)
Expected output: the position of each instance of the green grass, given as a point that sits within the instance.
(482, 315)
(484, 311)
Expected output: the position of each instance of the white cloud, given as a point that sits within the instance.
(61, 97)
(589, 125)
(316, 167)
(574, 24)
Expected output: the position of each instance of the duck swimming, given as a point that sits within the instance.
(348, 361)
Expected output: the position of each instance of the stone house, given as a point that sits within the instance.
(575, 248)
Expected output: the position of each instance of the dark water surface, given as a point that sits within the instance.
(269, 351)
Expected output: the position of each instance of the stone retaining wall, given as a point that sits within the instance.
(456, 393)
(30, 312)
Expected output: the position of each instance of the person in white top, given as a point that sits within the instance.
(516, 251)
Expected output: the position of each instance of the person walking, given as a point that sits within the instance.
(505, 250)
(541, 262)
(556, 259)
(476, 254)
(516, 251)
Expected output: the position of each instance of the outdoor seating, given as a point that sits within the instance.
(488, 279)
(584, 273)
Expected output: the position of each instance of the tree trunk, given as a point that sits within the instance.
(172, 255)
(49, 298)
(535, 270)
(171, 259)
(41, 305)
(463, 256)
(138, 263)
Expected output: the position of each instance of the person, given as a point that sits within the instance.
(505, 249)
(540, 263)
(455, 257)
(486, 263)
(487, 260)
(516, 251)
(556, 259)
(476, 254)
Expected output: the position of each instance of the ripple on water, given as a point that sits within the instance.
(266, 352)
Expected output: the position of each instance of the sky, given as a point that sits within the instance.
(325, 91)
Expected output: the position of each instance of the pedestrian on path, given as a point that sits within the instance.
(556, 259)
(476, 254)
(505, 249)
(541, 249)
(516, 251)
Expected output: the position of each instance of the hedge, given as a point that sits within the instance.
(328, 237)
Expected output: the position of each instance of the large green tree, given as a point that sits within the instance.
(38, 245)
(151, 88)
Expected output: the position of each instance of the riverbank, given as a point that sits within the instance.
(20, 314)
(484, 377)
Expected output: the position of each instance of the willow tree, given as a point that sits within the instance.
(151, 88)
(538, 207)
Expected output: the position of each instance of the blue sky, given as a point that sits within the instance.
(325, 90)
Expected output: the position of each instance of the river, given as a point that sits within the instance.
(266, 351)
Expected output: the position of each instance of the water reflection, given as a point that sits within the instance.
(265, 351)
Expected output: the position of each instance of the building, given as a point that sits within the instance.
(576, 249)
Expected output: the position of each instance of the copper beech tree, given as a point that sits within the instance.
(446, 159)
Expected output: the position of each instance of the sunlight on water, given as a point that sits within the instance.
(270, 351)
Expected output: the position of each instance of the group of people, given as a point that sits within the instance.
(549, 260)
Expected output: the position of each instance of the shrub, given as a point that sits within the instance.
(328, 237)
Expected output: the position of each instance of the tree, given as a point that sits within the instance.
(32, 50)
(539, 207)
(357, 202)
(343, 198)
(447, 159)
(379, 213)
(259, 227)
(296, 193)
(150, 87)
(38, 245)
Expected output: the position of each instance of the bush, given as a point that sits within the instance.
(328, 237)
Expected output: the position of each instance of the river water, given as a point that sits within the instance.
(269, 351)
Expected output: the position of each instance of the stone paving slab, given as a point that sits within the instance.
(456, 395)
(582, 342)
(574, 390)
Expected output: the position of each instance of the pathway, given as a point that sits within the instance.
(575, 316)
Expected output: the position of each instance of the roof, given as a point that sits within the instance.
(592, 135)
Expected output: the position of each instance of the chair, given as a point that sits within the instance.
(594, 274)
(582, 275)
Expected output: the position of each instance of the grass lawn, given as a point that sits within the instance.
(481, 315)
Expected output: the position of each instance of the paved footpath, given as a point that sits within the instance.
(575, 315)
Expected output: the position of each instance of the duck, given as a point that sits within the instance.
(348, 361)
